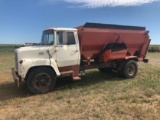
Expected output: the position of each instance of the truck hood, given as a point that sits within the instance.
(33, 52)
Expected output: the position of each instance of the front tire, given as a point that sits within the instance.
(41, 80)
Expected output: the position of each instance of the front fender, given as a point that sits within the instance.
(27, 64)
(55, 67)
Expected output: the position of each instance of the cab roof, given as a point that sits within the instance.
(58, 28)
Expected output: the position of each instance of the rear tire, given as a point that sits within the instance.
(41, 80)
(130, 69)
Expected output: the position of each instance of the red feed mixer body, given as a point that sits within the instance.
(106, 42)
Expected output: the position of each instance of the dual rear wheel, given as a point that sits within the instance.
(127, 69)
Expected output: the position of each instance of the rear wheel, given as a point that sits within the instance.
(130, 69)
(41, 80)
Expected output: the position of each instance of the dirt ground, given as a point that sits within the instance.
(96, 96)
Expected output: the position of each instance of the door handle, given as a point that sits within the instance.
(74, 52)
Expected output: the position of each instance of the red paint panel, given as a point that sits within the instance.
(70, 69)
(92, 41)
(109, 55)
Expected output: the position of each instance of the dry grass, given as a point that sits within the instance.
(96, 96)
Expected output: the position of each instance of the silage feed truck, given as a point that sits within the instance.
(67, 51)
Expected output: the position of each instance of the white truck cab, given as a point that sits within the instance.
(58, 54)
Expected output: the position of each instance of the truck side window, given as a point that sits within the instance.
(65, 38)
(70, 38)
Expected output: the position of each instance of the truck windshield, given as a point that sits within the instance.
(47, 37)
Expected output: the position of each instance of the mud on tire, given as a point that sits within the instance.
(41, 80)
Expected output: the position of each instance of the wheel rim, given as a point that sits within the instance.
(42, 81)
(131, 69)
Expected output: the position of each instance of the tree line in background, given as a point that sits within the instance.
(154, 48)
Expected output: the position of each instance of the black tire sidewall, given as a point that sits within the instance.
(127, 64)
(32, 76)
(121, 68)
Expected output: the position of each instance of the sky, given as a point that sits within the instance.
(22, 21)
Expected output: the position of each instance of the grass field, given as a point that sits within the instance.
(96, 96)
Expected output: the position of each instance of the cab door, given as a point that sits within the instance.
(67, 48)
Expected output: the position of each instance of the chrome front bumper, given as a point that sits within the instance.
(15, 77)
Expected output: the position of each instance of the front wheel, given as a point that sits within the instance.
(130, 69)
(41, 80)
